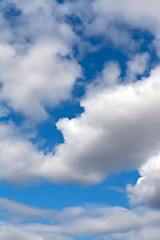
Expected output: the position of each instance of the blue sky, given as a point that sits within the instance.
(79, 119)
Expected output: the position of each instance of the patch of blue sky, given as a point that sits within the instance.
(10, 12)
(83, 238)
(13, 116)
(110, 192)
(97, 238)
(93, 62)
(60, 1)
(47, 131)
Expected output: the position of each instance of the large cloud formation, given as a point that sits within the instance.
(119, 129)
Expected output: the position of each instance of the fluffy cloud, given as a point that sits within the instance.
(119, 129)
(147, 188)
(36, 61)
(36, 43)
(19, 158)
(94, 221)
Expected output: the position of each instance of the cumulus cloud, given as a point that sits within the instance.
(37, 64)
(93, 221)
(147, 188)
(119, 129)
(19, 158)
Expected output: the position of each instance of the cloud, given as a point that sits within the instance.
(93, 221)
(147, 188)
(133, 14)
(119, 129)
(137, 66)
(17, 212)
(3, 111)
(38, 51)
(114, 21)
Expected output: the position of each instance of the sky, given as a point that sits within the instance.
(79, 119)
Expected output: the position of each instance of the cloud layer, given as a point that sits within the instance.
(93, 221)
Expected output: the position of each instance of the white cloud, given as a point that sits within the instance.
(147, 188)
(114, 20)
(13, 233)
(35, 67)
(17, 212)
(19, 158)
(40, 74)
(94, 221)
(136, 66)
(119, 129)
(131, 13)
